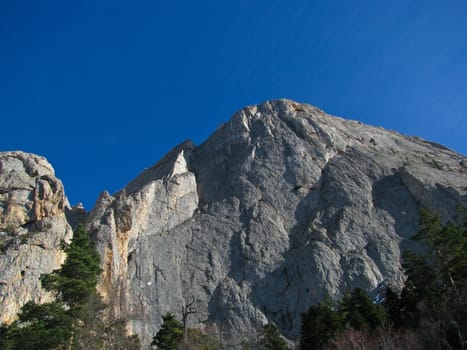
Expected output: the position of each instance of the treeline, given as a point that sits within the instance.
(429, 313)
(174, 335)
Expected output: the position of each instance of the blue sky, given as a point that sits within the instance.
(103, 89)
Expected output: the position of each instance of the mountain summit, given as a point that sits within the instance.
(281, 206)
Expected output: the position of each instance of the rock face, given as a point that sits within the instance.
(32, 225)
(280, 206)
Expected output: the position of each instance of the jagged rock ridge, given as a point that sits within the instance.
(280, 206)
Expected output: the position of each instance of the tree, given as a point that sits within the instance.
(187, 310)
(198, 340)
(271, 339)
(422, 290)
(359, 312)
(77, 278)
(41, 327)
(59, 324)
(392, 304)
(320, 324)
(5, 342)
(170, 334)
(434, 297)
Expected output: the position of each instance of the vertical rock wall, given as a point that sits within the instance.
(139, 255)
(279, 207)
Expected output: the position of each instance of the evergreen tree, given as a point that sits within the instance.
(422, 290)
(77, 278)
(434, 297)
(320, 324)
(170, 334)
(392, 305)
(41, 327)
(56, 325)
(5, 337)
(359, 312)
(271, 339)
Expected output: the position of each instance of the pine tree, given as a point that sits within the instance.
(54, 325)
(77, 278)
(434, 297)
(170, 334)
(359, 312)
(41, 327)
(320, 324)
(271, 339)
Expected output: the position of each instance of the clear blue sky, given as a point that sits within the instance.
(104, 88)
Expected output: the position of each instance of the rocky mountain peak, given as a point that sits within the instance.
(281, 206)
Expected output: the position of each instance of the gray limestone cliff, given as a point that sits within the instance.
(280, 206)
(32, 225)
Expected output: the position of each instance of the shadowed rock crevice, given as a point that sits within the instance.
(391, 195)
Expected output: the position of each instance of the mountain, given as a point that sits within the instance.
(282, 205)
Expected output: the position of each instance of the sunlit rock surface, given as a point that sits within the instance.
(280, 206)
(32, 225)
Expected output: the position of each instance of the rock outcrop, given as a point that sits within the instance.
(280, 206)
(32, 225)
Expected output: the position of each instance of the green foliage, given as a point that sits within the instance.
(320, 324)
(170, 334)
(89, 331)
(247, 345)
(76, 280)
(435, 294)
(198, 340)
(171, 337)
(393, 307)
(447, 247)
(41, 327)
(359, 312)
(67, 322)
(271, 339)
(5, 338)
(323, 322)
(116, 338)
(422, 288)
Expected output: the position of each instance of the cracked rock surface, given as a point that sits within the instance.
(280, 206)
(32, 225)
